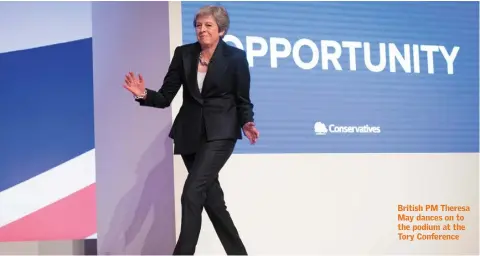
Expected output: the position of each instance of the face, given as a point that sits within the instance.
(207, 30)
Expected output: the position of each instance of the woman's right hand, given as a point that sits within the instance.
(135, 85)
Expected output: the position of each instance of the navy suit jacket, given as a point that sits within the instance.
(216, 113)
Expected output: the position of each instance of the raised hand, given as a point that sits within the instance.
(133, 84)
(251, 132)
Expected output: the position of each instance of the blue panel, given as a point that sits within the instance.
(415, 111)
(47, 108)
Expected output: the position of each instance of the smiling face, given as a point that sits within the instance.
(207, 30)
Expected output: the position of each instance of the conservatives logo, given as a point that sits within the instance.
(322, 129)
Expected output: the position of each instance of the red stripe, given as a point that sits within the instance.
(73, 217)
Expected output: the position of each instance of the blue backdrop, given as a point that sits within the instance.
(376, 111)
(47, 110)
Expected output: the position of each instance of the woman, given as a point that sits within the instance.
(216, 108)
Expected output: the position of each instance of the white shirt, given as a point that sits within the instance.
(200, 78)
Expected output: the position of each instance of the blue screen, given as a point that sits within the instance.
(337, 77)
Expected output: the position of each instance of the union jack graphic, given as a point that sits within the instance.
(47, 186)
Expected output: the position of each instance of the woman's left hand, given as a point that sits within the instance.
(251, 132)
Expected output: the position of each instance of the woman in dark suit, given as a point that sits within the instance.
(216, 108)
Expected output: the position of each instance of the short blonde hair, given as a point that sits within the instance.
(219, 14)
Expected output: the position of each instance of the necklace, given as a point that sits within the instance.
(202, 62)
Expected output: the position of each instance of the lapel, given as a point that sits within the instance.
(191, 68)
(216, 68)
